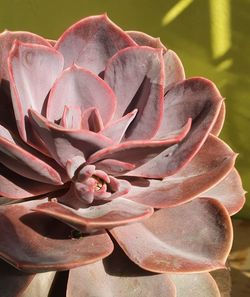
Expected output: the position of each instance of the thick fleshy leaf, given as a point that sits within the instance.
(33, 242)
(114, 167)
(193, 237)
(142, 38)
(15, 186)
(115, 213)
(136, 75)
(114, 286)
(92, 120)
(211, 164)
(217, 127)
(26, 164)
(71, 117)
(78, 87)
(30, 80)
(91, 42)
(195, 98)
(65, 144)
(7, 38)
(116, 129)
(174, 71)
(40, 285)
(138, 152)
(12, 281)
(229, 192)
(195, 285)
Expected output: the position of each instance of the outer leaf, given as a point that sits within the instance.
(33, 242)
(30, 79)
(142, 39)
(193, 237)
(15, 186)
(210, 165)
(7, 38)
(91, 42)
(195, 285)
(229, 192)
(115, 213)
(136, 75)
(79, 87)
(113, 286)
(195, 98)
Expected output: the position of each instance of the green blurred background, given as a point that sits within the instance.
(210, 36)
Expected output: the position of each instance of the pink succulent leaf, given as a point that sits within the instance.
(65, 144)
(195, 98)
(114, 167)
(71, 118)
(197, 237)
(136, 74)
(26, 164)
(91, 42)
(138, 152)
(113, 286)
(144, 39)
(199, 175)
(174, 70)
(218, 125)
(195, 285)
(80, 88)
(15, 186)
(33, 242)
(13, 282)
(115, 213)
(116, 129)
(30, 80)
(229, 192)
(7, 117)
(92, 120)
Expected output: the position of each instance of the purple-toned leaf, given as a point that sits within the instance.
(195, 98)
(114, 286)
(71, 117)
(116, 129)
(15, 186)
(195, 285)
(30, 80)
(92, 120)
(193, 237)
(217, 127)
(65, 144)
(91, 42)
(211, 164)
(114, 167)
(78, 87)
(142, 39)
(229, 192)
(138, 152)
(24, 163)
(136, 75)
(7, 38)
(33, 242)
(12, 281)
(174, 71)
(115, 213)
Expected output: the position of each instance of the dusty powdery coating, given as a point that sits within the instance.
(104, 142)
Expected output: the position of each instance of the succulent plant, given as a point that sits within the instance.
(113, 179)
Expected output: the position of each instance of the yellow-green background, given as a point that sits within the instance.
(210, 36)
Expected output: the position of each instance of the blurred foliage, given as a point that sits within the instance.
(210, 36)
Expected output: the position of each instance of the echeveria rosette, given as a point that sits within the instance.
(103, 143)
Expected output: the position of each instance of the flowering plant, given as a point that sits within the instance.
(103, 143)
